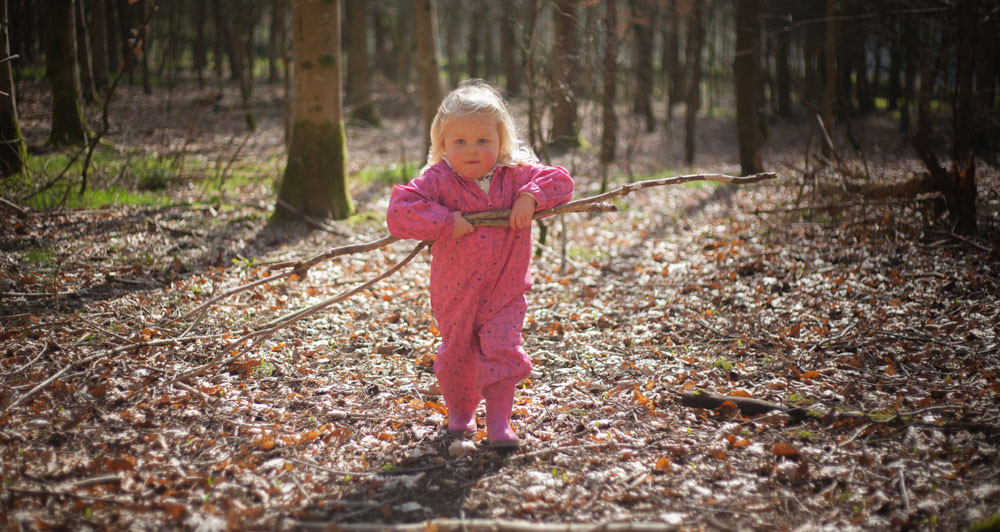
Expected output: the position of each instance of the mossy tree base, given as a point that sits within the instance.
(315, 179)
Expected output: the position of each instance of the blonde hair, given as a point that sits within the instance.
(475, 96)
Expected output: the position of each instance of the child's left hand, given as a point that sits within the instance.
(522, 211)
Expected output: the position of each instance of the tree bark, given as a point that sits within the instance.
(359, 63)
(12, 149)
(315, 179)
(746, 69)
(610, 68)
(276, 40)
(830, 68)
(507, 48)
(565, 131)
(199, 56)
(87, 89)
(695, 39)
(985, 139)
(99, 43)
(472, 51)
(145, 33)
(782, 72)
(428, 71)
(672, 67)
(644, 19)
(60, 54)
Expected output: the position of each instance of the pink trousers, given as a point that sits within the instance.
(481, 355)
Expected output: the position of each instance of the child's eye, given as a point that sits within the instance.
(460, 142)
(484, 141)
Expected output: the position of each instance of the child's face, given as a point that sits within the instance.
(471, 143)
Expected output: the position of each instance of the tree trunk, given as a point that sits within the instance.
(87, 89)
(507, 48)
(964, 173)
(782, 72)
(60, 54)
(985, 138)
(99, 43)
(383, 42)
(895, 88)
(830, 68)
(695, 38)
(219, 44)
(112, 27)
(610, 68)
(146, 33)
(565, 131)
(910, 76)
(276, 40)
(315, 179)
(428, 71)
(864, 83)
(452, 36)
(199, 57)
(746, 68)
(644, 19)
(12, 149)
(672, 59)
(359, 63)
(472, 51)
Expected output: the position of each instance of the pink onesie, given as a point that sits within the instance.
(478, 281)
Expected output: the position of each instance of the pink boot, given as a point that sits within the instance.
(461, 420)
(499, 434)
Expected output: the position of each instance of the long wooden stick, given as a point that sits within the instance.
(489, 218)
(280, 323)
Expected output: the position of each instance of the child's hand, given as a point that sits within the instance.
(522, 211)
(461, 227)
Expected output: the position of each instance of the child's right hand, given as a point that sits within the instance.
(461, 227)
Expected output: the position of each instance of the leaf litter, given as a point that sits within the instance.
(875, 323)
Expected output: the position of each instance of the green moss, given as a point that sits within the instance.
(315, 179)
(987, 524)
(328, 60)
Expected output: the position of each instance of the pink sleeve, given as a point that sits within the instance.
(414, 211)
(549, 185)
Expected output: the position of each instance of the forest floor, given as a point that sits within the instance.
(873, 326)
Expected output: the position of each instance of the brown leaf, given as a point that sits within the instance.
(785, 449)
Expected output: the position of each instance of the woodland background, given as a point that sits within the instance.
(814, 351)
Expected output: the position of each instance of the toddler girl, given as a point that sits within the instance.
(478, 276)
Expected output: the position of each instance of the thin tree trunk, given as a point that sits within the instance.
(112, 25)
(146, 33)
(695, 38)
(87, 89)
(672, 60)
(12, 149)
(830, 65)
(644, 19)
(99, 43)
(895, 88)
(985, 132)
(610, 68)
(428, 70)
(218, 45)
(67, 115)
(565, 127)
(275, 40)
(910, 76)
(452, 36)
(359, 63)
(199, 54)
(782, 72)
(472, 51)
(746, 69)
(507, 49)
